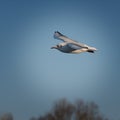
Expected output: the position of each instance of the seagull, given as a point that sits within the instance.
(70, 46)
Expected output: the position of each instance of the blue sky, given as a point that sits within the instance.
(32, 76)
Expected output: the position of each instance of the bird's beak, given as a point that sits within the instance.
(54, 47)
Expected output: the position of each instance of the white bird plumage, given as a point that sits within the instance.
(70, 46)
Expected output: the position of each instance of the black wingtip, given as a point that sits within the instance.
(59, 33)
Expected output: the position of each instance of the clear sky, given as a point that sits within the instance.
(32, 76)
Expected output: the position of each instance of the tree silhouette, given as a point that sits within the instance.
(80, 110)
(65, 110)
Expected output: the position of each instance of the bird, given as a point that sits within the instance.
(71, 46)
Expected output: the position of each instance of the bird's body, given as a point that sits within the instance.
(67, 48)
(70, 46)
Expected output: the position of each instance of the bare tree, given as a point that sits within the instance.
(64, 110)
(86, 111)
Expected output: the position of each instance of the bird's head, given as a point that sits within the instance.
(56, 47)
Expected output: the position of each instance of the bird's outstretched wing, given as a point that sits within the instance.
(64, 38)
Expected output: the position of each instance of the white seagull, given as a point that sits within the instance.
(70, 46)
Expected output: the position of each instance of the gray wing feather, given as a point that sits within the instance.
(73, 46)
(64, 38)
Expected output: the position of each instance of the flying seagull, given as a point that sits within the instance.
(70, 46)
